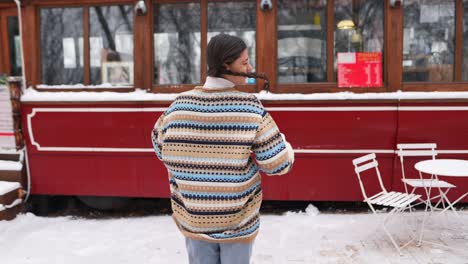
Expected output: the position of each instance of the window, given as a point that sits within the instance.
(62, 45)
(177, 43)
(298, 41)
(179, 40)
(358, 26)
(302, 41)
(234, 18)
(465, 42)
(14, 45)
(109, 43)
(428, 40)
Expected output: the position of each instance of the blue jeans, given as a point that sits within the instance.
(202, 252)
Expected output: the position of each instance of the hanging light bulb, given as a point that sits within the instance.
(346, 24)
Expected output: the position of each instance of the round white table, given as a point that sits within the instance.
(444, 167)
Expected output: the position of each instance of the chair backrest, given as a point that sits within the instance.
(415, 150)
(418, 150)
(365, 163)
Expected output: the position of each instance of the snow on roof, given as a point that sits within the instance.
(78, 86)
(399, 95)
(32, 95)
(6, 187)
(6, 165)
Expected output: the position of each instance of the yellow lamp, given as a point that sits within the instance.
(346, 24)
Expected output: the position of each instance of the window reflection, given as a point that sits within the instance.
(62, 45)
(428, 40)
(465, 41)
(237, 19)
(302, 41)
(111, 44)
(14, 46)
(359, 26)
(177, 44)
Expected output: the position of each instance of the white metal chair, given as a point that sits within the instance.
(397, 200)
(424, 150)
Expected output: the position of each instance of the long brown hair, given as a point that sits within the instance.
(225, 49)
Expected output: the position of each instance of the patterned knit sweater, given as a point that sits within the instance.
(214, 142)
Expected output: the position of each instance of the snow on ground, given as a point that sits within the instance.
(308, 237)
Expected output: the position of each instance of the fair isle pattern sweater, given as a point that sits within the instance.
(206, 139)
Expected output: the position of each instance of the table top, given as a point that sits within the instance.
(444, 167)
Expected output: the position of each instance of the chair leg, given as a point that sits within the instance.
(422, 225)
(384, 227)
(440, 201)
(428, 192)
(421, 201)
(442, 194)
(450, 205)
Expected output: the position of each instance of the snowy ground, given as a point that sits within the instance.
(309, 237)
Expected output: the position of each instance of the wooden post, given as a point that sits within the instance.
(14, 85)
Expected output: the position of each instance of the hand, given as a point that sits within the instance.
(283, 137)
(290, 152)
(288, 148)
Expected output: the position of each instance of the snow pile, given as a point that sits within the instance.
(311, 210)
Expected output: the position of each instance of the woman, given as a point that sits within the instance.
(208, 139)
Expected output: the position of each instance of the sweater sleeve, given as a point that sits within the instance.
(157, 136)
(273, 153)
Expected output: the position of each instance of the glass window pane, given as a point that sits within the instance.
(234, 18)
(62, 45)
(177, 43)
(359, 26)
(465, 41)
(428, 40)
(14, 46)
(111, 44)
(302, 41)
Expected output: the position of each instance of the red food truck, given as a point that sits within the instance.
(98, 73)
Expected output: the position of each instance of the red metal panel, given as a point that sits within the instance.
(104, 173)
(449, 129)
(137, 175)
(330, 176)
(93, 129)
(347, 129)
(322, 176)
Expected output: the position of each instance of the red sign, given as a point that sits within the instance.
(360, 69)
